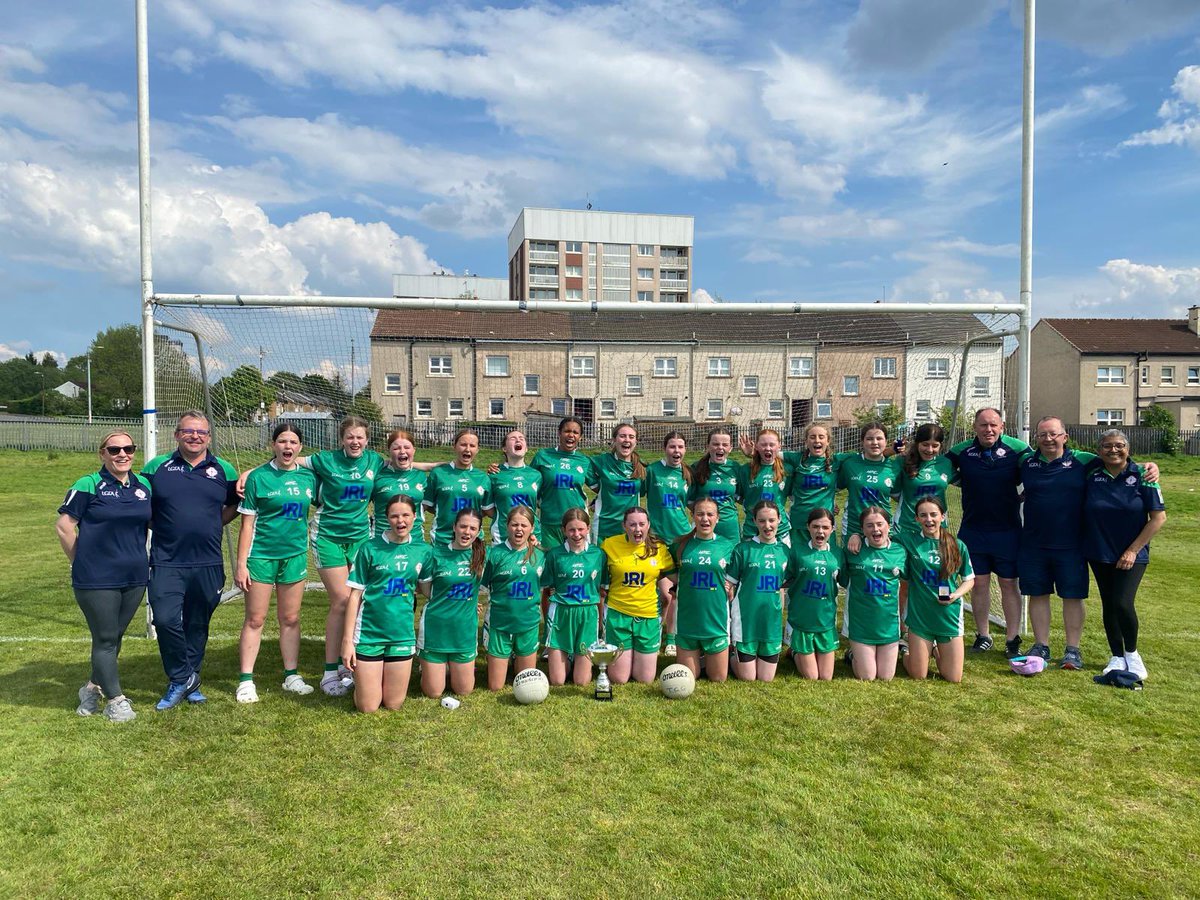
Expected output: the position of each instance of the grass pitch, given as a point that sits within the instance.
(1050, 786)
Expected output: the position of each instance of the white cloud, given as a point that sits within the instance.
(700, 295)
(847, 224)
(23, 348)
(761, 253)
(1180, 116)
(1121, 288)
(17, 58)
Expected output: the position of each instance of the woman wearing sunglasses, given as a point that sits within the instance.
(102, 527)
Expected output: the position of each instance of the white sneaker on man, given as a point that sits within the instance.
(246, 692)
(297, 685)
(1134, 664)
(1115, 664)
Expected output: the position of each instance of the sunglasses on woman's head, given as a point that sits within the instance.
(127, 449)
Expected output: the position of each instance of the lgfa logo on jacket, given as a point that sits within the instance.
(211, 472)
(140, 494)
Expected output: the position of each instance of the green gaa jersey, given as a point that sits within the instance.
(346, 486)
(616, 491)
(389, 483)
(763, 486)
(873, 598)
(450, 620)
(725, 488)
(279, 501)
(813, 595)
(451, 489)
(812, 486)
(703, 604)
(666, 501)
(925, 614)
(931, 480)
(575, 579)
(867, 483)
(758, 573)
(564, 476)
(514, 486)
(514, 586)
(387, 573)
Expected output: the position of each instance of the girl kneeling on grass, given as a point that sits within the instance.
(755, 579)
(512, 578)
(813, 597)
(703, 606)
(272, 556)
(939, 575)
(575, 575)
(379, 640)
(873, 608)
(449, 635)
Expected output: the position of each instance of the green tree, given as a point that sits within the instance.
(241, 394)
(366, 408)
(117, 372)
(957, 427)
(1155, 416)
(891, 417)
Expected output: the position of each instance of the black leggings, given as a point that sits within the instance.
(108, 612)
(1118, 588)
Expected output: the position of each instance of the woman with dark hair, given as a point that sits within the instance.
(703, 605)
(814, 475)
(714, 476)
(667, 484)
(813, 597)
(566, 470)
(758, 571)
(575, 577)
(456, 486)
(620, 480)
(867, 476)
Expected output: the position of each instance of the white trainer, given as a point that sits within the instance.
(1134, 664)
(297, 685)
(247, 692)
(1115, 664)
(119, 711)
(90, 697)
(670, 650)
(333, 685)
(346, 676)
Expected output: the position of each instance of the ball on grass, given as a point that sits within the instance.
(531, 686)
(677, 681)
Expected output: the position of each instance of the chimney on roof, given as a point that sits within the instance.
(1194, 319)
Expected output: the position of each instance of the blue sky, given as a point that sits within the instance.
(827, 150)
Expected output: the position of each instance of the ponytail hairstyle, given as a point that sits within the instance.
(284, 428)
(947, 545)
(930, 431)
(567, 420)
(683, 541)
(871, 510)
(820, 512)
(828, 447)
(525, 513)
(639, 468)
(353, 422)
(869, 427)
(687, 470)
(403, 500)
(652, 540)
(777, 470)
(765, 504)
(576, 514)
(478, 551)
(703, 467)
(463, 432)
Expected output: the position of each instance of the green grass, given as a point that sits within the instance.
(1049, 786)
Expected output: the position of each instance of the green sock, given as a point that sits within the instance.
(245, 676)
(331, 667)
(287, 672)
(671, 638)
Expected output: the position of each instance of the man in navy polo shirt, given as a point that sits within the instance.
(193, 498)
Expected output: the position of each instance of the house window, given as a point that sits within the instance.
(924, 411)
(670, 407)
(573, 271)
(1110, 375)
(885, 367)
(1193, 375)
(543, 294)
(574, 246)
(715, 408)
(824, 409)
(800, 367)
(583, 367)
(645, 250)
(1168, 374)
(1145, 374)
(573, 294)
(425, 409)
(981, 386)
(882, 406)
(664, 367)
(608, 409)
(718, 367)
(633, 385)
(558, 406)
(850, 385)
(496, 408)
(645, 296)
(774, 409)
(544, 246)
(454, 409)
(440, 365)
(1110, 417)
(532, 386)
(496, 367)
(749, 385)
(938, 367)
(646, 274)
(392, 383)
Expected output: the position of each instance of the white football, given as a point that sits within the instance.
(531, 686)
(677, 681)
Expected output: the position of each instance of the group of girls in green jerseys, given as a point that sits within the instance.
(583, 546)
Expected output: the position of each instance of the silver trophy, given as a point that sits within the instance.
(602, 653)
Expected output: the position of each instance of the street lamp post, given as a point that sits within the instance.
(42, 375)
(89, 376)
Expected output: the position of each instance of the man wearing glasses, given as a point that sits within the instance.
(193, 498)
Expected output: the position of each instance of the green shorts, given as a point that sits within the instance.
(278, 571)
(806, 642)
(934, 638)
(384, 652)
(633, 632)
(503, 644)
(758, 648)
(437, 656)
(704, 645)
(572, 629)
(332, 554)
